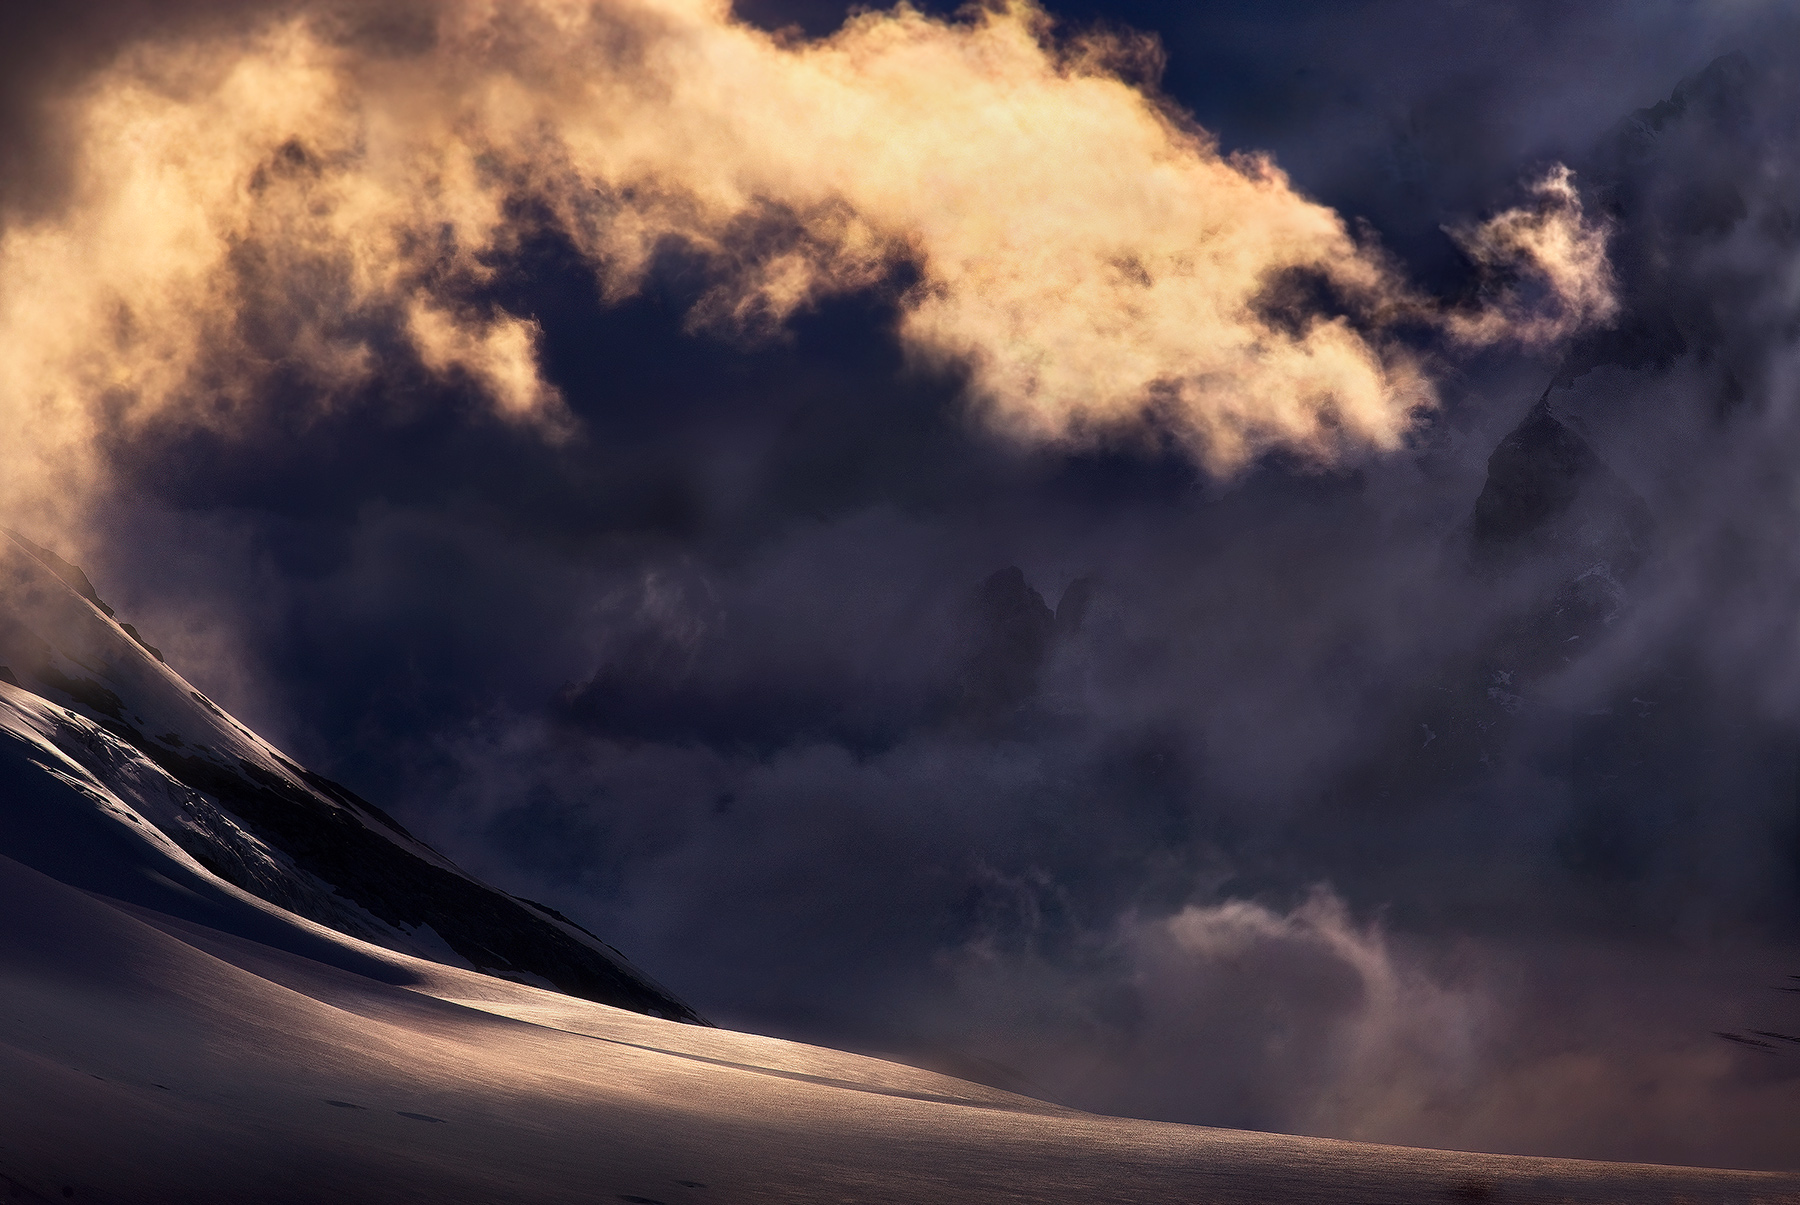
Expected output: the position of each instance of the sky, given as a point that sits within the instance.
(1226, 563)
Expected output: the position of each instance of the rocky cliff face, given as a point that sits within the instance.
(1556, 537)
(254, 818)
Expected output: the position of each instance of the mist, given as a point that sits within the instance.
(1341, 682)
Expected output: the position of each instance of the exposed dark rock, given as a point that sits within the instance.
(1666, 180)
(1558, 531)
(1012, 629)
(71, 575)
(1718, 96)
(148, 647)
(1533, 478)
(1548, 495)
(1072, 608)
(494, 932)
(275, 829)
(85, 691)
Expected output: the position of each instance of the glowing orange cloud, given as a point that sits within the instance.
(286, 201)
(1552, 240)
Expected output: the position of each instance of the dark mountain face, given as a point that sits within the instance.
(1548, 495)
(278, 831)
(1557, 527)
(1556, 537)
(1559, 541)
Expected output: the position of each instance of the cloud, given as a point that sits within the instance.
(500, 354)
(1550, 244)
(1309, 1019)
(305, 201)
(1300, 1019)
(758, 734)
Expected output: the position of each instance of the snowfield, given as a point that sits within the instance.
(165, 1036)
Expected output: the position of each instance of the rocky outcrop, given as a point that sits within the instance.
(1548, 495)
(1010, 634)
(1554, 538)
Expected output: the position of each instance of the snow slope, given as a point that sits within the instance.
(167, 1036)
(254, 818)
(147, 1061)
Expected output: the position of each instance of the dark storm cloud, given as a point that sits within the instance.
(848, 717)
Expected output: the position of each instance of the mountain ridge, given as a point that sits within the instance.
(258, 820)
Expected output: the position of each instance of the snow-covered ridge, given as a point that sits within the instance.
(240, 809)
